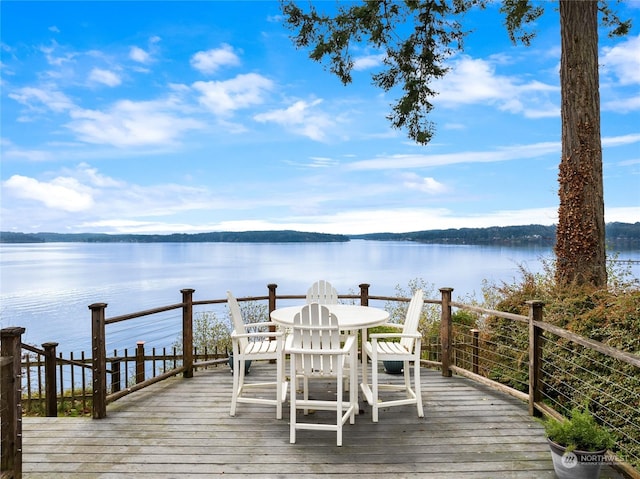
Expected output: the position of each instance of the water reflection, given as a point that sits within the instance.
(47, 288)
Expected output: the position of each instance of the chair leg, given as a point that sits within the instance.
(292, 406)
(353, 390)
(374, 389)
(339, 411)
(279, 380)
(407, 378)
(236, 385)
(418, 389)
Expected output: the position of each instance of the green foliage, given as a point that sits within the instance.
(398, 310)
(573, 374)
(580, 432)
(519, 14)
(416, 37)
(213, 334)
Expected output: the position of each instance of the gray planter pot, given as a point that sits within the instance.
(393, 367)
(575, 464)
(247, 365)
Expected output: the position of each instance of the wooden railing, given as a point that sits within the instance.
(450, 358)
(11, 403)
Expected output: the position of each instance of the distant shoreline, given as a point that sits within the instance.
(626, 235)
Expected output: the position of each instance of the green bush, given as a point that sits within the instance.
(580, 432)
(573, 374)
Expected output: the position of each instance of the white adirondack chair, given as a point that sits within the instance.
(253, 342)
(322, 292)
(317, 351)
(406, 350)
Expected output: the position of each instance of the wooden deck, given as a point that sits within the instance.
(181, 428)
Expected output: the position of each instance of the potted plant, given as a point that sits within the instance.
(577, 444)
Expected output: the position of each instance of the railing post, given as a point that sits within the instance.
(272, 297)
(139, 362)
(187, 332)
(364, 294)
(272, 306)
(51, 396)
(535, 356)
(474, 351)
(99, 362)
(445, 331)
(11, 401)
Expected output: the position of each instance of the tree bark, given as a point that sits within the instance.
(580, 241)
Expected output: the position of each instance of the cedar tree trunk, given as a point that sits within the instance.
(580, 238)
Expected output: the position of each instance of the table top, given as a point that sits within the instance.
(350, 316)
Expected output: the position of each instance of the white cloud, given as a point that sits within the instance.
(621, 140)
(137, 54)
(400, 220)
(211, 60)
(300, 118)
(51, 98)
(428, 185)
(56, 60)
(224, 97)
(623, 61)
(105, 77)
(129, 123)
(62, 193)
(624, 105)
(322, 162)
(475, 81)
(506, 153)
(420, 161)
(368, 61)
(83, 197)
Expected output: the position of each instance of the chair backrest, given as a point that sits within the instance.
(236, 318)
(322, 292)
(316, 330)
(413, 318)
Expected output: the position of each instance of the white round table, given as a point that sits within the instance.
(350, 316)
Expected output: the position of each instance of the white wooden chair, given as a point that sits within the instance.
(406, 350)
(317, 351)
(252, 342)
(322, 292)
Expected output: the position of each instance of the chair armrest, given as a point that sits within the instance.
(258, 334)
(395, 335)
(260, 325)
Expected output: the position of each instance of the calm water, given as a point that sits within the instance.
(47, 288)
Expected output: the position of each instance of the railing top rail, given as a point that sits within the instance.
(492, 312)
(139, 314)
(33, 349)
(629, 358)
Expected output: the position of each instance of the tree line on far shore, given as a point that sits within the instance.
(626, 235)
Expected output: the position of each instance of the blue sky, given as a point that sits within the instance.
(162, 117)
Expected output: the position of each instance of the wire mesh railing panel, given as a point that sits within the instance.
(575, 376)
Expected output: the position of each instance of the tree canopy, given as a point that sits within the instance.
(418, 36)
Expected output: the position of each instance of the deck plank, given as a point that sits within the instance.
(182, 428)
